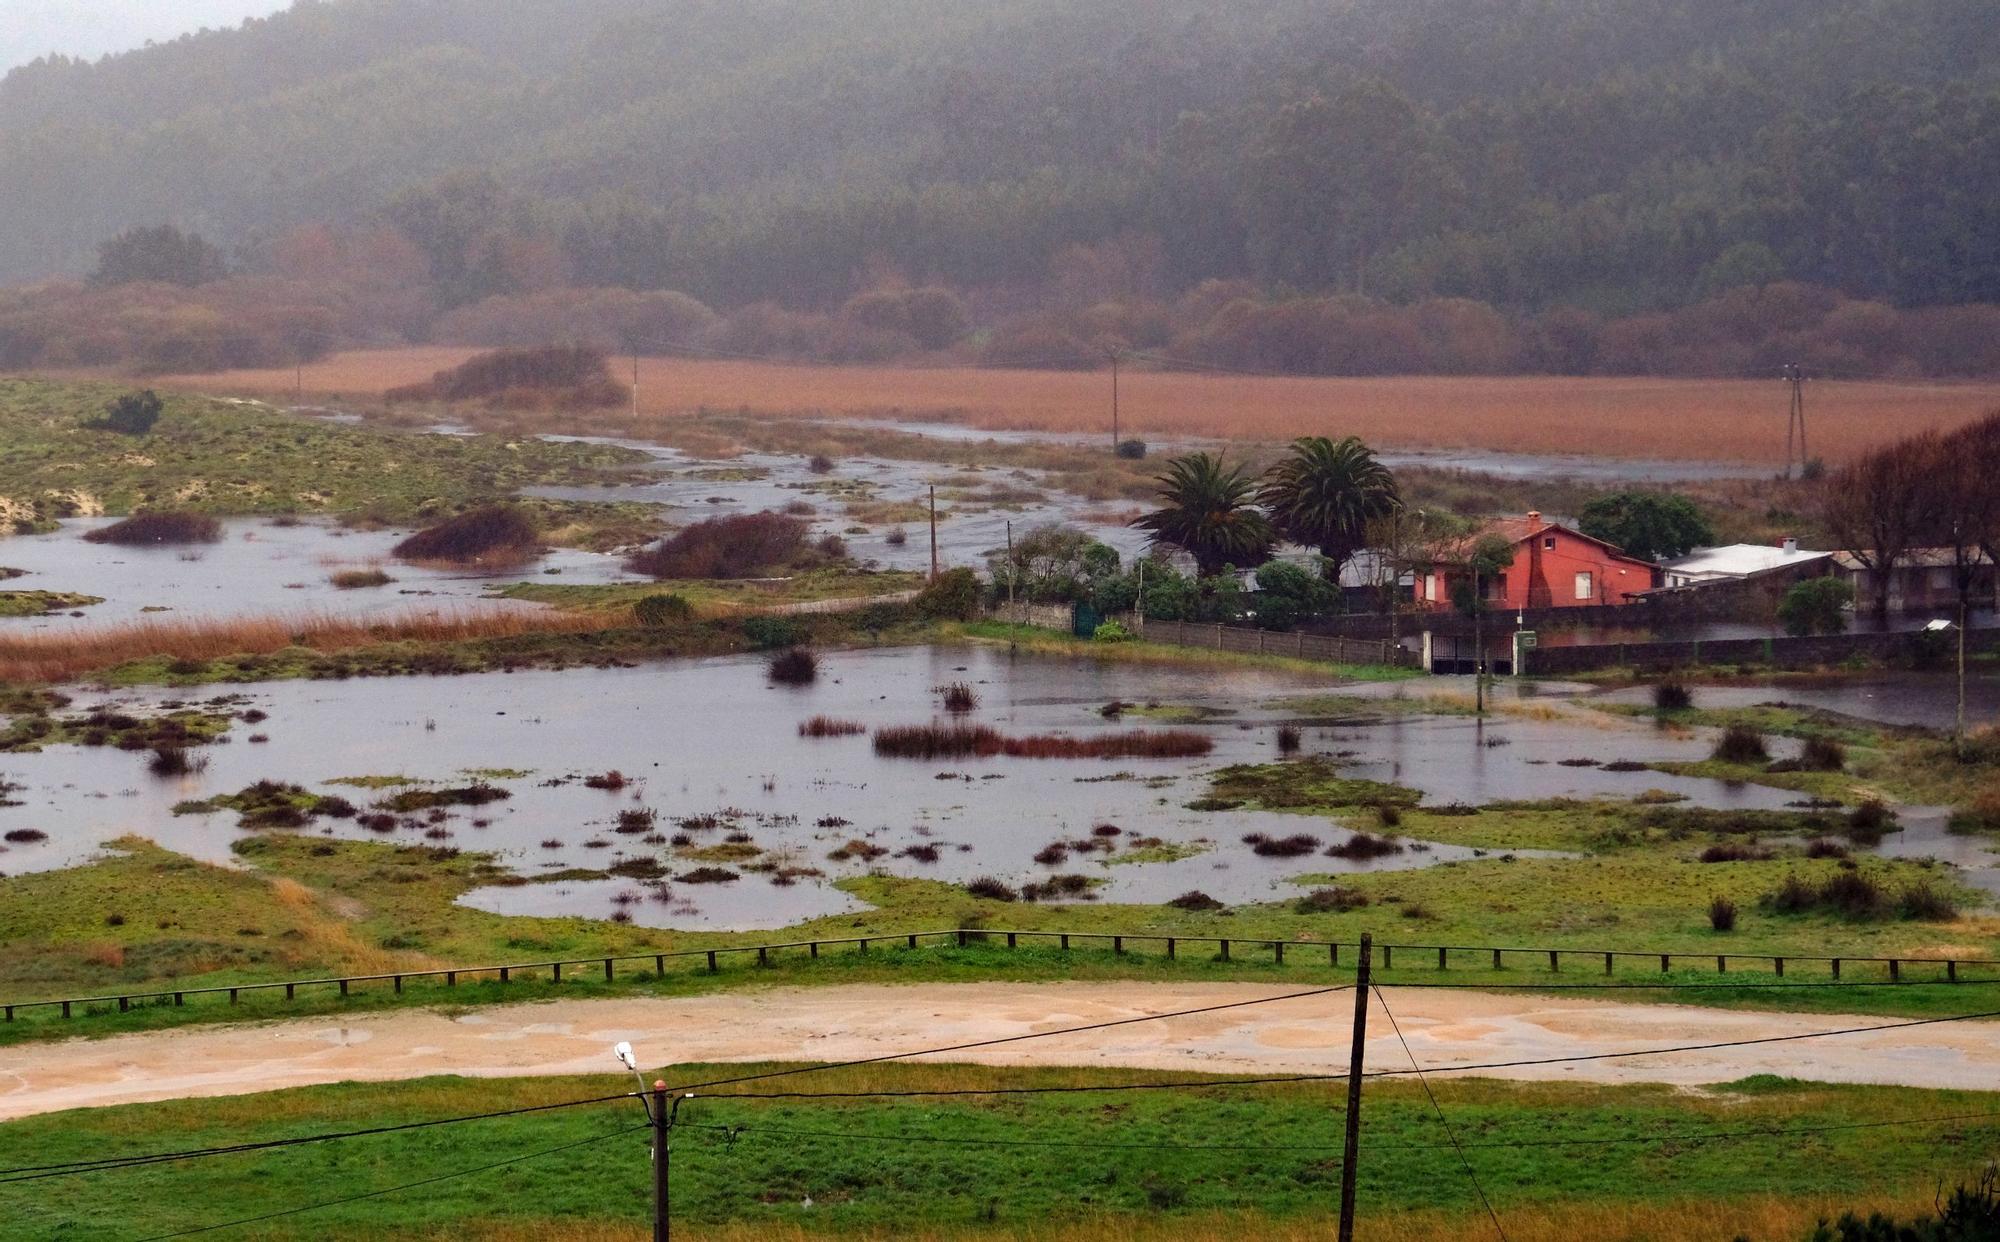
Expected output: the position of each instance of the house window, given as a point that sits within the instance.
(1586, 586)
(1549, 542)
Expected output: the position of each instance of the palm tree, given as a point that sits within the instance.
(1325, 493)
(1210, 514)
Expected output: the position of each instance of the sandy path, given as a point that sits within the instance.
(838, 1023)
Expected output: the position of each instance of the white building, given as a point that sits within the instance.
(1737, 561)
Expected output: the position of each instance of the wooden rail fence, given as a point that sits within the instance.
(1224, 948)
(1299, 646)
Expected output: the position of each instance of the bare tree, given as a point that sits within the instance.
(1879, 507)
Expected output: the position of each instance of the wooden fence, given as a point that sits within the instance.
(1298, 645)
(1893, 970)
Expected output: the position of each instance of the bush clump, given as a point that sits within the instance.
(960, 698)
(1822, 754)
(795, 666)
(159, 529)
(1111, 632)
(1741, 744)
(1365, 845)
(1195, 899)
(958, 740)
(359, 579)
(1294, 846)
(990, 889)
(830, 726)
(951, 596)
(1672, 696)
(1849, 893)
(1722, 915)
(656, 612)
(742, 545)
(1132, 450)
(496, 534)
(544, 377)
(1289, 739)
(1330, 901)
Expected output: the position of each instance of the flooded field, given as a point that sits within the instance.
(715, 773)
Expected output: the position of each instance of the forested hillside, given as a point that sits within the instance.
(1598, 160)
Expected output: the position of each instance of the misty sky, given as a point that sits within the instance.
(90, 28)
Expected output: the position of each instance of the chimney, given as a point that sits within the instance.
(1790, 543)
(1535, 518)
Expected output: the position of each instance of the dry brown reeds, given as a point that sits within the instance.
(65, 655)
(946, 741)
(829, 726)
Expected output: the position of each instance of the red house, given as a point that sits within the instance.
(1554, 567)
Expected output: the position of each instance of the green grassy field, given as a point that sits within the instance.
(1107, 1163)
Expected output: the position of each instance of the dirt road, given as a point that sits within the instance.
(839, 1023)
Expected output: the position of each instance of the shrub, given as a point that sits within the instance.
(1821, 847)
(1926, 902)
(741, 545)
(829, 726)
(1388, 815)
(1132, 450)
(359, 579)
(1672, 696)
(1816, 606)
(959, 698)
(173, 761)
(25, 836)
(635, 820)
(1850, 894)
(990, 889)
(1076, 886)
(1734, 851)
(765, 633)
(543, 377)
(1052, 855)
(496, 533)
(1364, 845)
(1867, 822)
(662, 610)
(1722, 915)
(1294, 846)
(132, 414)
(613, 781)
(896, 537)
(820, 463)
(795, 666)
(708, 875)
(1741, 744)
(159, 528)
(1330, 901)
(951, 596)
(1288, 739)
(1111, 632)
(1195, 899)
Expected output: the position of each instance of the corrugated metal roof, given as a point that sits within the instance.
(1740, 560)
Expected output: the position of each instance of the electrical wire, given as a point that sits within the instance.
(31, 1173)
(1450, 1135)
(1012, 1039)
(390, 1190)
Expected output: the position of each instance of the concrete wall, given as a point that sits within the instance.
(1776, 652)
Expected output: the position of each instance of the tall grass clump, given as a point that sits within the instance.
(1741, 744)
(1365, 845)
(958, 740)
(959, 698)
(1822, 754)
(795, 666)
(1289, 739)
(359, 579)
(158, 529)
(537, 377)
(496, 534)
(1851, 894)
(830, 726)
(741, 545)
(1722, 915)
(1672, 696)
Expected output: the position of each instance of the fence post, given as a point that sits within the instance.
(711, 962)
(1607, 963)
(1836, 968)
(1895, 970)
(607, 970)
(1778, 964)
(1496, 959)
(1278, 949)
(1441, 960)
(1951, 970)
(1170, 948)
(1065, 942)
(1555, 962)
(1225, 951)
(555, 972)
(1010, 940)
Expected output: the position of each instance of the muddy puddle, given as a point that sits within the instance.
(715, 752)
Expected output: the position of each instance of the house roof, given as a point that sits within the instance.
(1914, 558)
(1521, 529)
(1740, 560)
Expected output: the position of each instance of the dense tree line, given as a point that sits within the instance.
(1390, 185)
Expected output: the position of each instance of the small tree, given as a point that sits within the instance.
(1816, 606)
(1490, 554)
(1287, 595)
(132, 414)
(1648, 525)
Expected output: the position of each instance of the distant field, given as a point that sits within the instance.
(1710, 420)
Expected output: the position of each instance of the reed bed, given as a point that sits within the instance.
(950, 741)
(830, 726)
(69, 654)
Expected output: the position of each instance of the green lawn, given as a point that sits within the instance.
(1109, 1160)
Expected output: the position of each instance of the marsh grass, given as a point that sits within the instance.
(830, 726)
(1741, 744)
(959, 698)
(795, 666)
(493, 535)
(948, 741)
(359, 579)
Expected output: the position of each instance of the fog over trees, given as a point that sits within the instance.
(1279, 184)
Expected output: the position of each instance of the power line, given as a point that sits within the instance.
(1519, 1063)
(1449, 1134)
(1012, 1039)
(31, 1173)
(390, 1190)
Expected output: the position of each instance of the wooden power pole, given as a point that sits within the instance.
(1351, 1150)
(934, 563)
(662, 1226)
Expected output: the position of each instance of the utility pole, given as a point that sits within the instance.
(1795, 418)
(662, 1201)
(1351, 1151)
(934, 563)
(635, 382)
(1114, 399)
(1013, 570)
